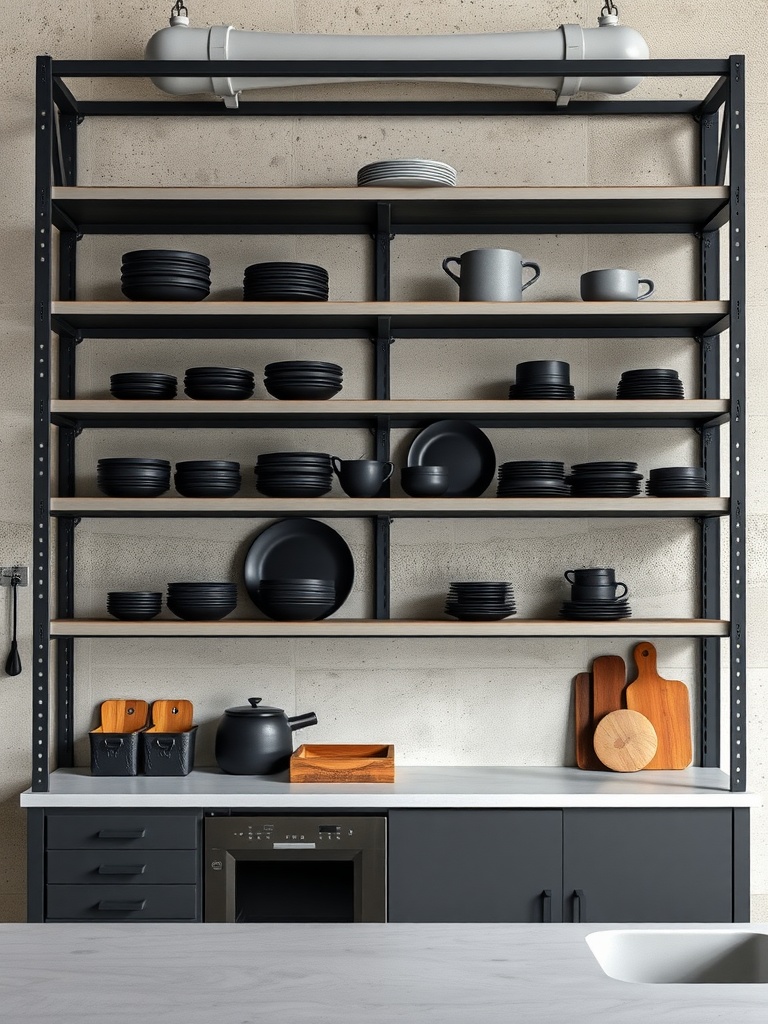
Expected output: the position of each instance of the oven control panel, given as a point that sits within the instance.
(288, 833)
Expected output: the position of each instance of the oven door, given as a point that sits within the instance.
(281, 870)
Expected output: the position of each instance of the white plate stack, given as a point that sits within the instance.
(418, 173)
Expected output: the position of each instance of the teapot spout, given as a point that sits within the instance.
(302, 721)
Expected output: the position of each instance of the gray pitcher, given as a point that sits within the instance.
(491, 275)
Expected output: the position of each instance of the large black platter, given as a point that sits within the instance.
(463, 449)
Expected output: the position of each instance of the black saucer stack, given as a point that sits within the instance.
(154, 386)
(294, 474)
(133, 478)
(603, 611)
(542, 378)
(285, 282)
(650, 383)
(135, 605)
(533, 478)
(605, 480)
(201, 601)
(480, 602)
(165, 275)
(593, 596)
(207, 478)
(303, 378)
(297, 599)
(219, 383)
(678, 482)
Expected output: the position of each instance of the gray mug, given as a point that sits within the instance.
(491, 275)
(615, 285)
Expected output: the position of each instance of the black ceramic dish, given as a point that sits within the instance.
(463, 449)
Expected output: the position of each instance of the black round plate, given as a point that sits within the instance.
(463, 449)
(302, 364)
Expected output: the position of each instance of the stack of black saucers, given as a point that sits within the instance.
(133, 478)
(594, 596)
(678, 482)
(297, 599)
(650, 383)
(136, 605)
(294, 474)
(303, 378)
(165, 275)
(207, 478)
(605, 480)
(542, 378)
(201, 601)
(219, 382)
(480, 602)
(285, 282)
(155, 386)
(533, 478)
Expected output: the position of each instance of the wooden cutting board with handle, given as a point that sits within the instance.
(666, 704)
(586, 757)
(171, 716)
(123, 715)
(609, 678)
(625, 741)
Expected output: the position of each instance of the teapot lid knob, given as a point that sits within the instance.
(255, 701)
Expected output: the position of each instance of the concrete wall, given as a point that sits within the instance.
(483, 702)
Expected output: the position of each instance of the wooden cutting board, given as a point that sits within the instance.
(171, 716)
(625, 741)
(123, 715)
(586, 757)
(666, 704)
(609, 678)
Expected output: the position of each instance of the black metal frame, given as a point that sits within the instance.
(59, 112)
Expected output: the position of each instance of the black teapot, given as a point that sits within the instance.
(257, 740)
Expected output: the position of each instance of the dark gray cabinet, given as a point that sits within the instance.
(473, 866)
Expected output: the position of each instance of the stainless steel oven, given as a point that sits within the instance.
(295, 869)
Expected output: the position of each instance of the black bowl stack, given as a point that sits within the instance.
(165, 275)
(303, 378)
(678, 482)
(297, 599)
(532, 478)
(155, 386)
(207, 478)
(604, 480)
(650, 383)
(480, 602)
(219, 383)
(136, 605)
(285, 282)
(201, 601)
(294, 474)
(133, 478)
(542, 378)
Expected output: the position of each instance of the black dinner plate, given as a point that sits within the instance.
(304, 364)
(463, 449)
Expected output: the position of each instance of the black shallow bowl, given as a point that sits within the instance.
(132, 491)
(189, 490)
(204, 613)
(134, 616)
(309, 392)
(296, 611)
(164, 293)
(197, 464)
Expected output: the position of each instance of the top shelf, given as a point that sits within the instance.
(353, 210)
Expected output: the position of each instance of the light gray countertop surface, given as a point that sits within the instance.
(339, 974)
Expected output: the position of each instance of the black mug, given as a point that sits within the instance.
(591, 577)
(598, 593)
(362, 478)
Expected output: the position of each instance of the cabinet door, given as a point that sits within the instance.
(475, 866)
(645, 864)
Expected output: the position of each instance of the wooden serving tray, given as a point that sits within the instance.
(343, 762)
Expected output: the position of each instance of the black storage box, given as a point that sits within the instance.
(168, 753)
(114, 753)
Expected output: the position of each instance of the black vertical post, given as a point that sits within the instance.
(738, 366)
(44, 120)
(710, 534)
(68, 143)
(382, 375)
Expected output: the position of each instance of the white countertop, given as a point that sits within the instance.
(339, 974)
(413, 787)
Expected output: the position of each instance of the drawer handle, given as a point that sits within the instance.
(121, 905)
(122, 869)
(546, 906)
(579, 906)
(122, 833)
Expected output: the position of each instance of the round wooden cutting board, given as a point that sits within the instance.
(625, 741)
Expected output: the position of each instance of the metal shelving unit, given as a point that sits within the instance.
(383, 213)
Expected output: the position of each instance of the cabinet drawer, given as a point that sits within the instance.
(124, 867)
(141, 831)
(121, 902)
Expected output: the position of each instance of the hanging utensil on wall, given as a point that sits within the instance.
(13, 662)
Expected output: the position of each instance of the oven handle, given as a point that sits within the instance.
(294, 846)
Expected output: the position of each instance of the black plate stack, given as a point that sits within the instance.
(480, 602)
(133, 478)
(201, 601)
(135, 605)
(165, 275)
(207, 478)
(604, 480)
(217, 383)
(542, 378)
(303, 378)
(651, 383)
(297, 599)
(154, 386)
(285, 282)
(532, 478)
(294, 474)
(678, 482)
